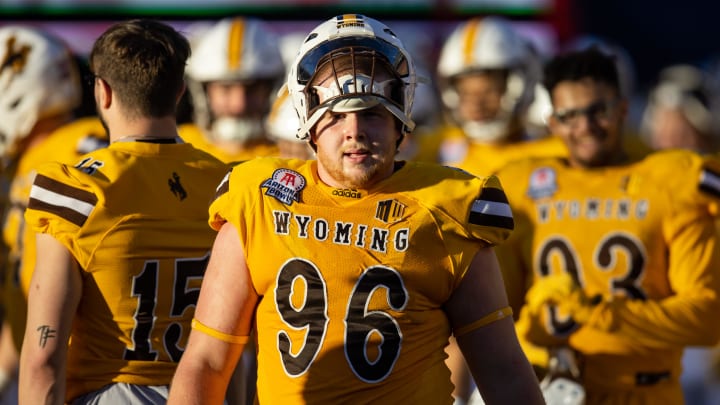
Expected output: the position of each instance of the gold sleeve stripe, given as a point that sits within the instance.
(224, 186)
(56, 198)
(199, 326)
(485, 320)
(492, 209)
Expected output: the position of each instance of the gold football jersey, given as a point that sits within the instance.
(353, 281)
(642, 237)
(482, 159)
(134, 216)
(65, 145)
(193, 134)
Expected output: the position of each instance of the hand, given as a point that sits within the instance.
(565, 293)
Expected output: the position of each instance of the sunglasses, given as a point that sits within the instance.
(599, 111)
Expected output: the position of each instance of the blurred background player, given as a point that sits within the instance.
(41, 93)
(683, 111)
(282, 125)
(488, 75)
(627, 76)
(233, 73)
(613, 257)
(282, 122)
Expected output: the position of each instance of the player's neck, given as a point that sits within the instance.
(144, 128)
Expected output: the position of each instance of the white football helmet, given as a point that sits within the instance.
(38, 79)
(282, 122)
(362, 37)
(233, 50)
(690, 91)
(490, 43)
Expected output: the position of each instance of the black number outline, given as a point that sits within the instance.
(359, 323)
(145, 288)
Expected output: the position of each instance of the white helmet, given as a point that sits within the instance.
(38, 78)
(691, 91)
(490, 43)
(282, 122)
(363, 37)
(233, 50)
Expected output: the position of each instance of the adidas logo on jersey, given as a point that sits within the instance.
(347, 193)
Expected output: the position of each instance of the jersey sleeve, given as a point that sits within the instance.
(232, 197)
(60, 204)
(475, 208)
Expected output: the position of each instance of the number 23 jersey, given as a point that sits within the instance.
(642, 236)
(352, 282)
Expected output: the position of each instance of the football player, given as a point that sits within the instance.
(488, 75)
(234, 69)
(42, 90)
(614, 258)
(364, 264)
(122, 241)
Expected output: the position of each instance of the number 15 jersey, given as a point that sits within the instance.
(134, 217)
(353, 282)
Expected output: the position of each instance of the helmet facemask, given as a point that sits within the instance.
(352, 79)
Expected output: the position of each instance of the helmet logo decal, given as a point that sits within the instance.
(285, 185)
(350, 20)
(14, 59)
(176, 187)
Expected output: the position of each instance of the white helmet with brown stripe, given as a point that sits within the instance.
(234, 50)
(488, 44)
(373, 47)
(38, 79)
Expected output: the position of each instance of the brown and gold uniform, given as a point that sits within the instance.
(353, 282)
(642, 237)
(134, 216)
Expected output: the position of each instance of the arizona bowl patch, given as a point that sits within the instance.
(285, 185)
(543, 183)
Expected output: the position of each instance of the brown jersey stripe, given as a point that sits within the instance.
(497, 221)
(493, 194)
(60, 211)
(224, 186)
(63, 189)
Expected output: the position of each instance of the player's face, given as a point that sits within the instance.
(480, 95)
(356, 149)
(239, 99)
(589, 117)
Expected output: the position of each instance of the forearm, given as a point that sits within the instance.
(198, 384)
(205, 370)
(42, 380)
(498, 365)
